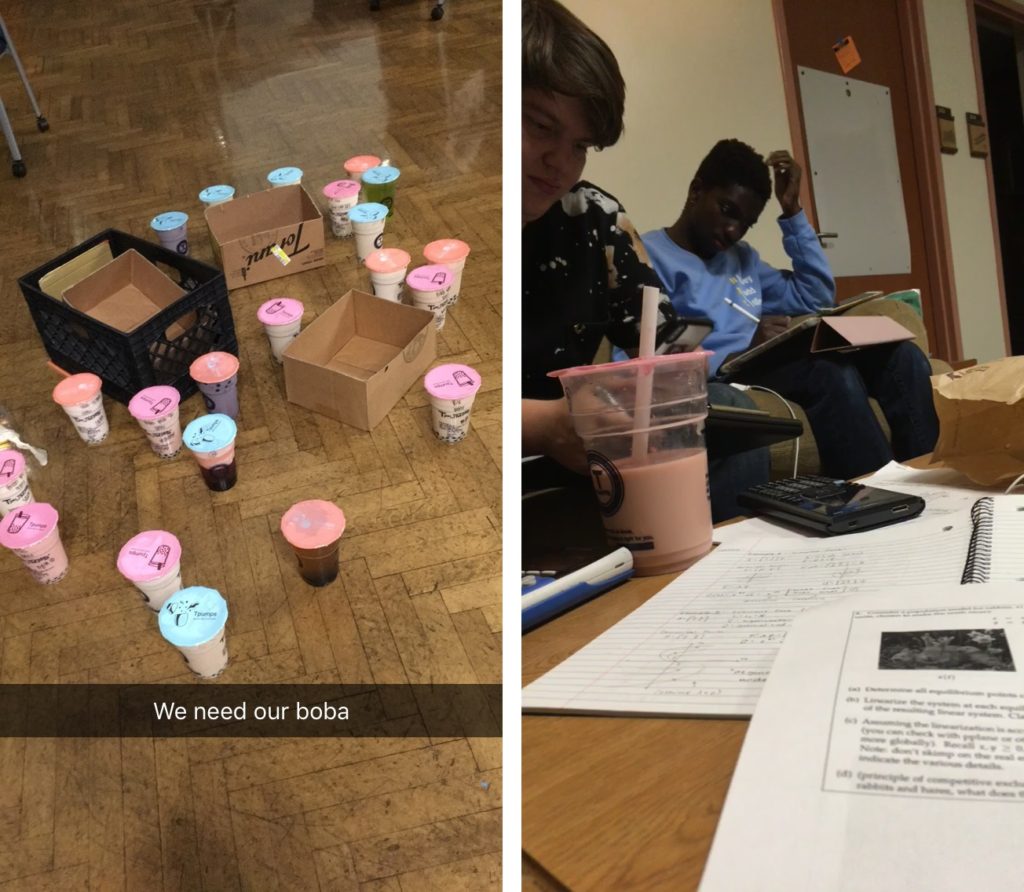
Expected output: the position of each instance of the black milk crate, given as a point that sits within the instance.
(128, 362)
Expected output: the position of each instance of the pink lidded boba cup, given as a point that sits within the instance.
(342, 196)
(14, 486)
(282, 319)
(156, 411)
(30, 531)
(313, 529)
(81, 397)
(217, 376)
(151, 561)
(450, 252)
(431, 289)
(357, 165)
(388, 267)
(451, 389)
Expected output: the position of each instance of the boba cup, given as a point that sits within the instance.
(194, 621)
(379, 185)
(313, 529)
(285, 176)
(211, 439)
(212, 195)
(31, 532)
(450, 252)
(151, 561)
(342, 196)
(172, 230)
(431, 289)
(156, 409)
(217, 376)
(81, 397)
(282, 319)
(368, 224)
(388, 267)
(451, 390)
(14, 486)
(356, 166)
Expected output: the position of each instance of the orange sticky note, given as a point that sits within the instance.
(846, 54)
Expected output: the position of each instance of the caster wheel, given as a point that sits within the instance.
(437, 13)
(42, 124)
(374, 5)
(19, 169)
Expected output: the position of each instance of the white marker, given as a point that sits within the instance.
(740, 309)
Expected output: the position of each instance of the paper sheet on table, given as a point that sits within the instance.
(890, 738)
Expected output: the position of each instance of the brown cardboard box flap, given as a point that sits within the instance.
(851, 332)
(125, 293)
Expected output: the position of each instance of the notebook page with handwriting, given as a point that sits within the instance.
(705, 643)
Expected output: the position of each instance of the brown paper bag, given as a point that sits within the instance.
(981, 420)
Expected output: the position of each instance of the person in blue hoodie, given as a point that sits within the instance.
(708, 270)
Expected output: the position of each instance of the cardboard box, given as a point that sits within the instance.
(244, 232)
(125, 293)
(359, 358)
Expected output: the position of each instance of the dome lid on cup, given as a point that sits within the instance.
(341, 189)
(154, 402)
(210, 433)
(280, 311)
(148, 555)
(27, 525)
(452, 381)
(193, 616)
(12, 463)
(214, 194)
(368, 212)
(432, 277)
(169, 221)
(381, 176)
(387, 260)
(212, 368)
(446, 250)
(313, 524)
(283, 176)
(359, 163)
(77, 389)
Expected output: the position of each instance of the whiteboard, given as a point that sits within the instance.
(855, 174)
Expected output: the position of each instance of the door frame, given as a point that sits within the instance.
(939, 286)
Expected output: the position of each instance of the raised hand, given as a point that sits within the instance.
(787, 175)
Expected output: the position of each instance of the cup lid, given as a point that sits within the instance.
(359, 163)
(380, 176)
(452, 381)
(12, 463)
(432, 277)
(639, 363)
(313, 524)
(28, 525)
(210, 433)
(387, 260)
(216, 193)
(77, 389)
(446, 250)
(212, 368)
(148, 555)
(193, 616)
(368, 212)
(341, 189)
(168, 221)
(154, 402)
(285, 175)
(280, 311)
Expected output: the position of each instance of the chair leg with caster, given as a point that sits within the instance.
(438, 11)
(42, 124)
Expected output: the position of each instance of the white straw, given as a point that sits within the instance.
(645, 378)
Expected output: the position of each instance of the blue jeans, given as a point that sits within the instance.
(729, 475)
(833, 388)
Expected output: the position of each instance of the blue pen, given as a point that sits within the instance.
(544, 597)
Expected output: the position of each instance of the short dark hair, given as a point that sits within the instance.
(734, 163)
(562, 55)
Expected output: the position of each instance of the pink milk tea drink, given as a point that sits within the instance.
(14, 486)
(217, 376)
(282, 319)
(313, 529)
(30, 531)
(451, 390)
(171, 229)
(156, 410)
(81, 397)
(642, 423)
(450, 252)
(151, 561)
(194, 621)
(431, 289)
(211, 439)
(342, 196)
(388, 267)
(368, 225)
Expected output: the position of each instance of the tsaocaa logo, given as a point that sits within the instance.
(608, 485)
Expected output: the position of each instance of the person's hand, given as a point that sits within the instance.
(787, 174)
(769, 327)
(548, 430)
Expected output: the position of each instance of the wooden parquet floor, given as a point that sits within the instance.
(148, 103)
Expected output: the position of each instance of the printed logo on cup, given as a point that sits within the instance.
(7, 469)
(608, 485)
(378, 242)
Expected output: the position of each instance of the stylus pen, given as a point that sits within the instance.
(740, 309)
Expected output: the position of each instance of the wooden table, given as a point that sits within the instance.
(617, 803)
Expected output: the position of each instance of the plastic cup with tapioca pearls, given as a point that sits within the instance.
(368, 221)
(314, 529)
(285, 176)
(81, 397)
(357, 165)
(282, 320)
(151, 561)
(31, 532)
(451, 390)
(342, 196)
(211, 439)
(15, 489)
(216, 374)
(218, 194)
(171, 229)
(194, 621)
(431, 289)
(450, 252)
(388, 268)
(156, 410)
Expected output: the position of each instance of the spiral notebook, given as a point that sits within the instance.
(996, 552)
